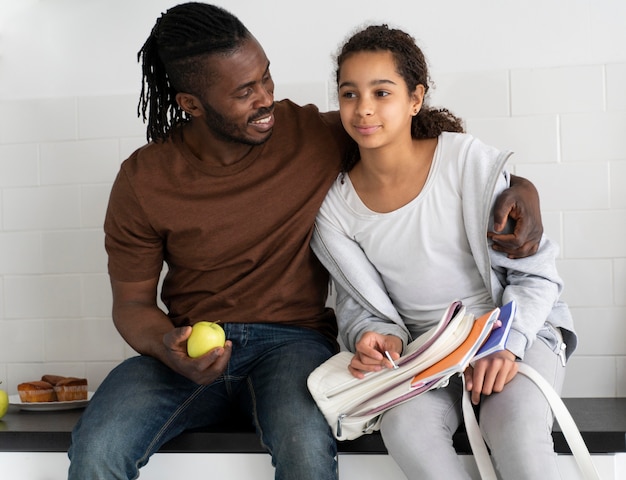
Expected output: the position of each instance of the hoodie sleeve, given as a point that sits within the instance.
(362, 301)
(533, 282)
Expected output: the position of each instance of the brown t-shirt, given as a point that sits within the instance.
(235, 238)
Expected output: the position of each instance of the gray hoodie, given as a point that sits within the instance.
(362, 302)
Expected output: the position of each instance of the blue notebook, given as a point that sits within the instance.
(497, 339)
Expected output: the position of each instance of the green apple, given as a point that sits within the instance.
(205, 336)
(4, 402)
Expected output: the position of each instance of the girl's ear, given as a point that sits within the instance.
(189, 103)
(417, 98)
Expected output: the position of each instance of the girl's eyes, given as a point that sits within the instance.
(379, 93)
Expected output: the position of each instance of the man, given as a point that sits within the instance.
(226, 195)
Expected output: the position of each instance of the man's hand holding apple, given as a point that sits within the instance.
(149, 331)
(204, 369)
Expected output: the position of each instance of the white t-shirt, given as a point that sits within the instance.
(421, 249)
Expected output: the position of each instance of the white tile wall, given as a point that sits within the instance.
(595, 233)
(553, 226)
(73, 251)
(590, 178)
(22, 341)
(619, 280)
(42, 296)
(18, 165)
(109, 117)
(96, 295)
(557, 90)
(617, 175)
(82, 340)
(593, 136)
(615, 91)
(476, 94)
(315, 93)
(588, 283)
(595, 374)
(78, 162)
(93, 201)
(512, 133)
(40, 120)
(21, 253)
(591, 320)
(41, 208)
(621, 378)
(58, 158)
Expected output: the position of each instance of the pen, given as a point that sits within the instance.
(391, 360)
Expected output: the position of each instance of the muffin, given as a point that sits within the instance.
(52, 379)
(36, 391)
(70, 389)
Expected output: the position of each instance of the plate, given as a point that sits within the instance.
(48, 406)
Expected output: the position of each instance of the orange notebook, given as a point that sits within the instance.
(460, 358)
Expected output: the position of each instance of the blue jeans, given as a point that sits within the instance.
(142, 404)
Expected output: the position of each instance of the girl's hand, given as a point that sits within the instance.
(370, 353)
(490, 374)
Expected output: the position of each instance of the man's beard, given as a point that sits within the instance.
(229, 131)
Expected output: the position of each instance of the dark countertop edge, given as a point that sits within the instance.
(602, 422)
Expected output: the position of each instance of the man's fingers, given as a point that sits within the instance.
(175, 338)
(511, 245)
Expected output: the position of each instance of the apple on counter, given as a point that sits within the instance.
(205, 336)
(4, 402)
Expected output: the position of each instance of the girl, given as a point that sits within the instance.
(395, 274)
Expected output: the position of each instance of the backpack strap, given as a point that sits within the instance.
(561, 413)
(477, 443)
(566, 422)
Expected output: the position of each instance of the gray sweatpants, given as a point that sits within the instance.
(516, 424)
